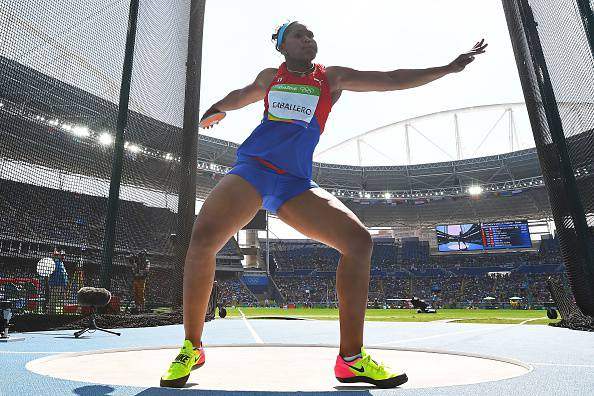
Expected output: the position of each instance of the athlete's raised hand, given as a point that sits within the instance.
(464, 59)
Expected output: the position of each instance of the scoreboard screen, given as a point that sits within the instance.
(483, 236)
(459, 237)
(506, 234)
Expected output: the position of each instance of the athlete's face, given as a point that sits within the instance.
(299, 43)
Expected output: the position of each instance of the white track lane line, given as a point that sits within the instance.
(438, 335)
(250, 328)
(530, 320)
(457, 332)
(563, 365)
(30, 353)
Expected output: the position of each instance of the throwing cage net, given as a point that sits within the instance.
(74, 212)
(553, 42)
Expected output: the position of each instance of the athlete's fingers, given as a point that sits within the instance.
(478, 47)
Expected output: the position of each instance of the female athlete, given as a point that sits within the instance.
(273, 170)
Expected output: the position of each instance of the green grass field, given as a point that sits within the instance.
(503, 316)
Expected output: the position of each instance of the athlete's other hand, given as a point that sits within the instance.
(464, 59)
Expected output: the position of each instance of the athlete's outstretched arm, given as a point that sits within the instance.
(244, 96)
(344, 78)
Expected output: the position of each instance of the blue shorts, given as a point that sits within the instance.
(275, 188)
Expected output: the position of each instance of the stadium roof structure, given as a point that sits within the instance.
(447, 135)
(508, 185)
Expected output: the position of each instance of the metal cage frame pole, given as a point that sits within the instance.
(187, 168)
(267, 246)
(118, 152)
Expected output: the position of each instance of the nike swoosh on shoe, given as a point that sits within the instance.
(362, 369)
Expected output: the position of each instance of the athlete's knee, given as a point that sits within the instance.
(358, 243)
(207, 237)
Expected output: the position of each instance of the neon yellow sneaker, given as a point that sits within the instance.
(188, 359)
(365, 369)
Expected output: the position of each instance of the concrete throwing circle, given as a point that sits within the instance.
(274, 367)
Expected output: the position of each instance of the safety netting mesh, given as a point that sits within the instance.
(553, 45)
(61, 66)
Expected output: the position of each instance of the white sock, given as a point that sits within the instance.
(351, 358)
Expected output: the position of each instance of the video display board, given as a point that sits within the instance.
(459, 237)
(485, 236)
(506, 235)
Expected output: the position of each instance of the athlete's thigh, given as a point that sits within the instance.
(321, 216)
(231, 204)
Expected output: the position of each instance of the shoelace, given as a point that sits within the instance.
(381, 367)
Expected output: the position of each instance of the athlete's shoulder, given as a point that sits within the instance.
(268, 73)
(266, 76)
(335, 73)
(269, 70)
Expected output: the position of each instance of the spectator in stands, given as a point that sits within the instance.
(140, 270)
(234, 293)
(57, 282)
(77, 281)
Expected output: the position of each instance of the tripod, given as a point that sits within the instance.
(93, 297)
(92, 326)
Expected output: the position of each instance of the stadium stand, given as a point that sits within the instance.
(303, 276)
(35, 220)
